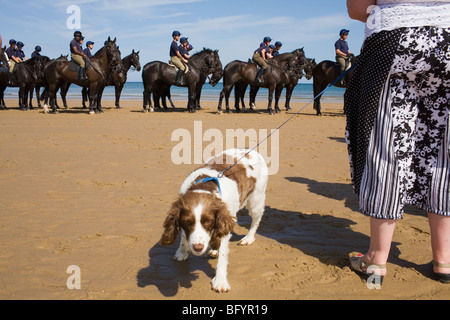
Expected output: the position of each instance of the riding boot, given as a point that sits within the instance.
(178, 78)
(259, 74)
(83, 75)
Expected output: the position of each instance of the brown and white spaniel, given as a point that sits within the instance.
(205, 211)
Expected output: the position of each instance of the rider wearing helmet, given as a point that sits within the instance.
(11, 52)
(343, 53)
(276, 51)
(77, 53)
(176, 58)
(20, 53)
(36, 52)
(260, 58)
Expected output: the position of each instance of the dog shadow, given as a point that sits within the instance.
(169, 275)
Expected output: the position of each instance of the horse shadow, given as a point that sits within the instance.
(168, 275)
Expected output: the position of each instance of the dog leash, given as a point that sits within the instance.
(222, 173)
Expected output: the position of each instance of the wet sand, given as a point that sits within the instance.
(93, 191)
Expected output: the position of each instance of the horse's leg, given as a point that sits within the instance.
(84, 93)
(289, 90)
(226, 91)
(119, 89)
(38, 96)
(93, 98)
(192, 98)
(30, 94)
(99, 98)
(169, 96)
(198, 96)
(318, 88)
(64, 89)
(278, 91)
(239, 92)
(52, 93)
(242, 96)
(148, 98)
(271, 90)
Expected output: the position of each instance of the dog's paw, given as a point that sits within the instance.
(181, 256)
(247, 241)
(220, 285)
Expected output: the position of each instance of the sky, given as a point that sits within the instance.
(234, 27)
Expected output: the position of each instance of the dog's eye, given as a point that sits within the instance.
(207, 221)
(187, 223)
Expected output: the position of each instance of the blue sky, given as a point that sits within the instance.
(235, 27)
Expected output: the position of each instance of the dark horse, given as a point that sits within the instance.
(326, 73)
(102, 62)
(158, 74)
(4, 74)
(292, 74)
(118, 76)
(245, 73)
(29, 75)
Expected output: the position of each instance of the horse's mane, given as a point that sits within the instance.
(205, 50)
(99, 52)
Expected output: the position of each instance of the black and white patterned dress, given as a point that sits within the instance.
(397, 107)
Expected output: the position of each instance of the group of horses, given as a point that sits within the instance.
(108, 69)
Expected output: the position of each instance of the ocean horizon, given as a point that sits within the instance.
(133, 91)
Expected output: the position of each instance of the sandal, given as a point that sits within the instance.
(364, 269)
(442, 277)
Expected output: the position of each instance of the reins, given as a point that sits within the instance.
(222, 173)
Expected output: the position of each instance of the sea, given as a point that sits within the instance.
(133, 91)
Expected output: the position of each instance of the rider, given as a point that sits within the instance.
(176, 58)
(89, 47)
(20, 53)
(36, 52)
(183, 48)
(343, 53)
(260, 58)
(78, 55)
(278, 46)
(11, 52)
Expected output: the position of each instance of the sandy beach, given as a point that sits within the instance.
(92, 191)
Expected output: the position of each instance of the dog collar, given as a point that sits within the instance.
(208, 180)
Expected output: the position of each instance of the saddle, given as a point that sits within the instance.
(170, 64)
(74, 67)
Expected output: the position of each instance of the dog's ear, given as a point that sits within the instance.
(172, 224)
(224, 223)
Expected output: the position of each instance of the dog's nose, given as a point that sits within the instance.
(198, 247)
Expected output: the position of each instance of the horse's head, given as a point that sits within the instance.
(3, 57)
(112, 52)
(217, 68)
(134, 60)
(39, 65)
(308, 67)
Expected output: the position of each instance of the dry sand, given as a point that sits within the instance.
(93, 191)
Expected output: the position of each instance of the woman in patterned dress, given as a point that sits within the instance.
(398, 133)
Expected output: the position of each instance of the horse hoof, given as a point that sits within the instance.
(152, 110)
(91, 112)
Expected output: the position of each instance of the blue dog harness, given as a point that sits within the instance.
(208, 180)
